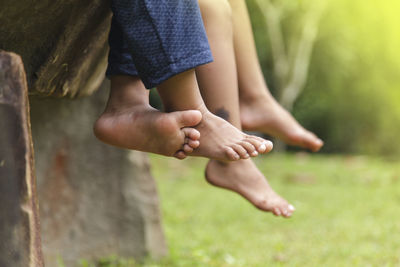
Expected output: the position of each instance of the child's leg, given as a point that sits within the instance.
(218, 84)
(165, 38)
(259, 110)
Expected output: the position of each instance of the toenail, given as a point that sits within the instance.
(269, 144)
(246, 156)
(277, 211)
(285, 212)
(262, 148)
(291, 208)
(254, 153)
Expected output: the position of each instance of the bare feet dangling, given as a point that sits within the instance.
(219, 139)
(244, 178)
(264, 114)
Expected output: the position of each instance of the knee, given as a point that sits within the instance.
(217, 9)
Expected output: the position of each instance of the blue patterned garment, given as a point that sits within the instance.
(156, 39)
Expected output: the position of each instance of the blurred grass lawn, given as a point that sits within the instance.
(348, 214)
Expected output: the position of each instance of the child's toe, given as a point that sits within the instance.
(231, 154)
(193, 143)
(180, 155)
(241, 151)
(251, 150)
(187, 149)
(191, 133)
(276, 211)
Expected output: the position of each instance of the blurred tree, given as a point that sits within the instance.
(291, 60)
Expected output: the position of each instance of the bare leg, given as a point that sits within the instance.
(259, 110)
(218, 84)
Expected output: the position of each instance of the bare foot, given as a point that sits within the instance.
(130, 122)
(221, 141)
(264, 114)
(244, 178)
(143, 128)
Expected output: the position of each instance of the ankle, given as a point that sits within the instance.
(254, 97)
(126, 100)
(181, 92)
(197, 105)
(127, 91)
(202, 108)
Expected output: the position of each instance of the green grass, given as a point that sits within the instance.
(348, 214)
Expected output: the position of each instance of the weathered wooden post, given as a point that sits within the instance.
(19, 224)
(94, 200)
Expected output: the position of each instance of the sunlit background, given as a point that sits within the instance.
(351, 95)
(335, 65)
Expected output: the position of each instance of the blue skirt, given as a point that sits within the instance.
(156, 39)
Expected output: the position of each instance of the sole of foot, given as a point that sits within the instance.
(244, 178)
(144, 128)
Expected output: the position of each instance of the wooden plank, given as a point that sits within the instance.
(20, 244)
